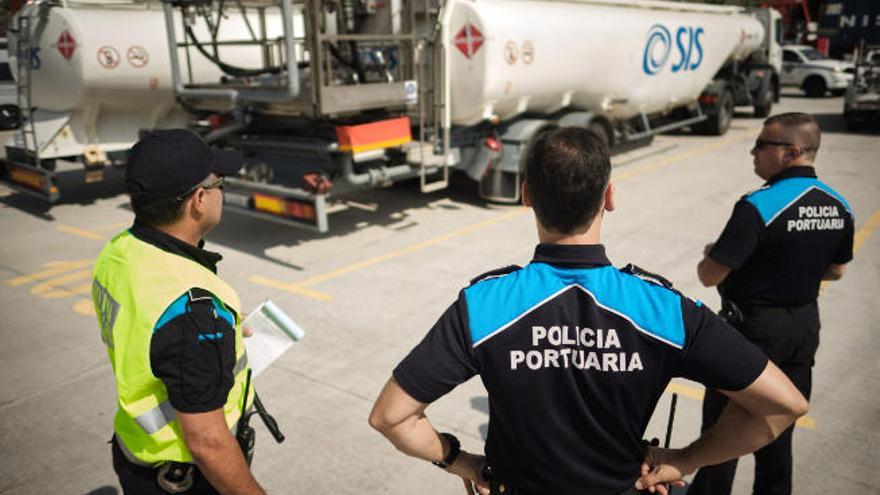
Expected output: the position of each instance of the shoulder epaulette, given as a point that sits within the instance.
(646, 275)
(495, 273)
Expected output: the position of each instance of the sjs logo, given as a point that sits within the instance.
(658, 48)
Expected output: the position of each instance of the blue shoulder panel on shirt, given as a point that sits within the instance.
(772, 200)
(178, 307)
(495, 304)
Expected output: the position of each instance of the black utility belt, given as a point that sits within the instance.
(775, 307)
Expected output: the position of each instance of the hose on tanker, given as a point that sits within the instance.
(226, 68)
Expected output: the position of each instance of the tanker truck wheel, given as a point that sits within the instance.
(719, 118)
(764, 108)
(603, 131)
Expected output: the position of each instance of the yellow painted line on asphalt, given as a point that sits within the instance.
(859, 238)
(299, 288)
(697, 393)
(55, 288)
(54, 268)
(295, 288)
(114, 227)
(95, 233)
(866, 230)
(88, 234)
(84, 307)
(693, 393)
(635, 171)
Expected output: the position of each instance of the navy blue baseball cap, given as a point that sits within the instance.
(171, 162)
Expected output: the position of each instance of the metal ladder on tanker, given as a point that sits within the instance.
(427, 156)
(24, 59)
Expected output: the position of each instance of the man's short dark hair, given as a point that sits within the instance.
(158, 212)
(801, 126)
(567, 171)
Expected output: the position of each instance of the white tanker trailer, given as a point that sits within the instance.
(378, 91)
(334, 96)
(91, 75)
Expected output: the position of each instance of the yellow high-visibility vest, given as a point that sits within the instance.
(134, 283)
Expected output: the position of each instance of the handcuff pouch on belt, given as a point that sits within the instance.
(731, 312)
(175, 477)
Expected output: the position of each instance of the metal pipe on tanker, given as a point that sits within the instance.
(176, 81)
(373, 177)
(292, 69)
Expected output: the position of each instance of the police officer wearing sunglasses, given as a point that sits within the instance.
(172, 327)
(779, 244)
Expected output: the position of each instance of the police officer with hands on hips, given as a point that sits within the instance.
(779, 244)
(575, 354)
(172, 327)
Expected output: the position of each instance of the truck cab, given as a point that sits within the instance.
(814, 73)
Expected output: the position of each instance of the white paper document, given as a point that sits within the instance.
(274, 333)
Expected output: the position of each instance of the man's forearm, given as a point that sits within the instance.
(416, 437)
(224, 466)
(736, 433)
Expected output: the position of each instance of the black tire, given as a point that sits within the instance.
(815, 87)
(10, 116)
(719, 118)
(602, 131)
(764, 108)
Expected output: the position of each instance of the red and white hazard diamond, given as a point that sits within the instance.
(469, 40)
(66, 45)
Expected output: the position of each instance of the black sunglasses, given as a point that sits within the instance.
(762, 143)
(216, 183)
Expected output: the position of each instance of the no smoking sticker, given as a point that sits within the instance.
(137, 56)
(108, 57)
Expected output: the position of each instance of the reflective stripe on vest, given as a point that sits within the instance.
(156, 418)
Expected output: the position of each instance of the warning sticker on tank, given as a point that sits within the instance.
(468, 40)
(108, 57)
(511, 52)
(527, 52)
(137, 56)
(66, 45)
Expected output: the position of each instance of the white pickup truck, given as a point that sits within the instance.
(814, 73)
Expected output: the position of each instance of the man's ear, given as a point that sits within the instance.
(609, 197)
(524, 194)
(198, 202)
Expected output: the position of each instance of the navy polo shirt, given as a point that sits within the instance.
(781, 239)
(575, 355)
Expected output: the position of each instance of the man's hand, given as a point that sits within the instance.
(247, 331)
(470, 467)
(662, 467)
(708, 248)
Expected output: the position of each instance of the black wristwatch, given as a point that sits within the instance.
(454, 450)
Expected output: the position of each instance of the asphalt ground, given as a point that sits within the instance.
(368, 291)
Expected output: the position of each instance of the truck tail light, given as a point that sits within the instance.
(708, 99)
(493, 143)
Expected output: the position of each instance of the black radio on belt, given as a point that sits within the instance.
(245, 434)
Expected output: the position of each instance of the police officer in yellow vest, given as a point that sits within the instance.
(172, 327)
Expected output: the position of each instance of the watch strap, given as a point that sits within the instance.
(454, 450)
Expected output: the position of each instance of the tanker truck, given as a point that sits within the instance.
(89, 76)
(327, 97)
